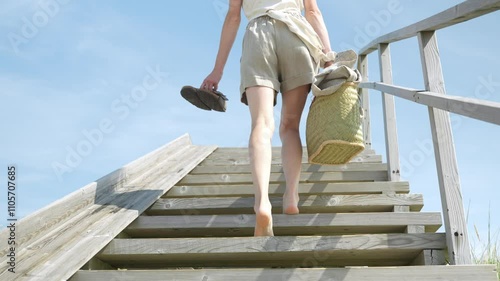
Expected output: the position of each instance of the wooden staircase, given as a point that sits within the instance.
(354, 224)
(184, 212)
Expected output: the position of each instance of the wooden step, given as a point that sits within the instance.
(342, 188)
(305, 177)
(307, 204)
(276, 159)
(241, 153)
(283, 251)
(276, 150)
(303, 224)
(277, 168)
(407, 273)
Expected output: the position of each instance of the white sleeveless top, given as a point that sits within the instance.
(256, 8)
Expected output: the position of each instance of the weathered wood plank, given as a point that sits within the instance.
(430, 257)
(407, 273)
(96, 264)
(426, 257)
(342, 188)
(244, 156)
(307, 204)
(44, 220)
(389, 108)
(67, 211)
(129, 203)
(302, 224)
(460, 13)
(395, 249)
(277, 160)
(228, 152)
(444, 150)
(69, 244)
(415, 228)
(401, 209)
(487, 111)
(277, 168)
(306, 177)
(365, 101)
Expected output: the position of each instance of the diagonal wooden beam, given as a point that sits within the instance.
(59, 239)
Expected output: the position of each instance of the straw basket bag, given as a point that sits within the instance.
(333, 133)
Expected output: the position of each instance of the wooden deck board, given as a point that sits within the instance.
(302, 224)
(203, 191)
(307, 204)
(276, 150)
(407, 273)
(277, 168)
(295, 251)
(305, 177)
(277, 160)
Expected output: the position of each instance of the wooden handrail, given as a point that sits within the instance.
(487, 111)
(434, 96)
(460, 13)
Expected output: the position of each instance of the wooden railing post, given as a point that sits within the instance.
(391, 132)
(444, 149)
(365, 100)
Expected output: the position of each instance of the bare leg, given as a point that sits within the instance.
(260, 101)
(291, 152)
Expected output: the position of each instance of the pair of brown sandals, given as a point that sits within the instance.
(204, 99)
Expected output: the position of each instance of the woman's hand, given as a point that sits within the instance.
(211, 83)
(327, 64)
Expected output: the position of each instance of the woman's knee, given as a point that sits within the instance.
(289, 124)
(263, 128)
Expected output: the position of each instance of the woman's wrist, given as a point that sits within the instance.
(327, 64)
(217, 69)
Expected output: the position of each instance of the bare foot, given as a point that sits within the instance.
(263, 221)
(290, 203)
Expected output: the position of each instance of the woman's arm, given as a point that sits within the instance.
(315, 18)
(229, 31)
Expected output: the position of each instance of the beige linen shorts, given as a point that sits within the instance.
(274, 57)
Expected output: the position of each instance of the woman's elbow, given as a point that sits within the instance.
(313, 14)
(233, 17)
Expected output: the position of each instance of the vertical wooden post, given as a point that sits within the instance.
(444, 149)
(365, 100)
(391, 132)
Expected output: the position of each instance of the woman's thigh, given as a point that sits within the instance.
(261, 105)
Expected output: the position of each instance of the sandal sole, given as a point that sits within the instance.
(204, 99)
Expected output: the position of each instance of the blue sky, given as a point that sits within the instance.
(69, 68)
